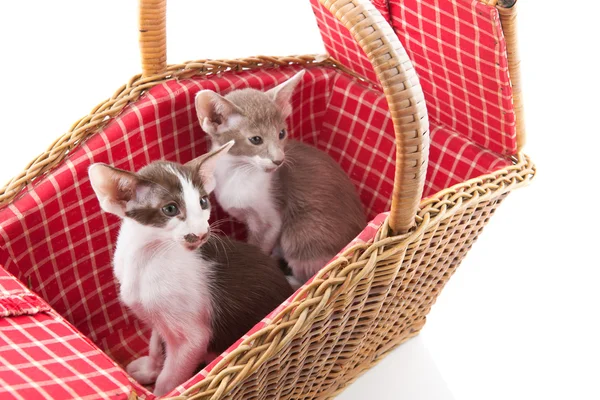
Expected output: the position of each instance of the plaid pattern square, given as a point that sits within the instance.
(56, 238)
(459, 53)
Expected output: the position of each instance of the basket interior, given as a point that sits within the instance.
(56, 239)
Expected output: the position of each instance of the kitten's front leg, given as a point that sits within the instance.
(254, 237)
(183, 359)
(270, 238)
(264, 232)
(145, 369)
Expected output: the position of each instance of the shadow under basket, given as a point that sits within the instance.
(373, 296)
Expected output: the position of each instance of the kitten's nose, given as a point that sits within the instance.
(192, 238)
(278, 162)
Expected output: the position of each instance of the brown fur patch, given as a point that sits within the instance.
(246, 286)
(321, 209)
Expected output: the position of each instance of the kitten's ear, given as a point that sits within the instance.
(206, 164)
(115, 187)
(215, 112)
(282, 93)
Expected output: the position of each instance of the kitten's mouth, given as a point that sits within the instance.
(271, 169)
(194, 246)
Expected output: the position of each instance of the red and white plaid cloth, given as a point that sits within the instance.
(459, 53)
(42, 356)
(56, 239)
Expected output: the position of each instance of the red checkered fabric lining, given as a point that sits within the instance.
(368, 156)
(459, 53)
(56, 237)
(42, 356)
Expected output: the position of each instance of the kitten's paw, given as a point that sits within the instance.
(164, 386)
(144, 370)
(277, 253)
(294, 283)
(160, 390)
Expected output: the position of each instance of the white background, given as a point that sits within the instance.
(519, 320)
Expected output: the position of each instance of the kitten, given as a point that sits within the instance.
(294, 199)
(197, 291)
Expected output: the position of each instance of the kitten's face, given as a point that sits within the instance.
(176, 204)
(259, 131)
(254, 120)
(168, 198)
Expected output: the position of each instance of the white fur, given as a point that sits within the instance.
(263, 165)
(294, 283)
(196, 219)
(166, 286)
(244, 191)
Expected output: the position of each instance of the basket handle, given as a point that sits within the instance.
(153, 36)
(394, 70)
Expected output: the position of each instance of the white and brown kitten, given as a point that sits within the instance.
(198, 292)
(294, 199)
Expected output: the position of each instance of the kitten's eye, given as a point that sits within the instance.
(170, 210)
(204, 202)
(282, 134)
(256, 140)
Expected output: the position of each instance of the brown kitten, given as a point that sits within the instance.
(305, 207)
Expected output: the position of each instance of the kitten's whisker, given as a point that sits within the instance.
(247, 168)
(221, 233)
(218, 223)
(219, 240)
(288, 160)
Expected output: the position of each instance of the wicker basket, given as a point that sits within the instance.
(63, 332)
